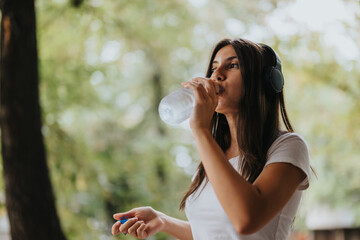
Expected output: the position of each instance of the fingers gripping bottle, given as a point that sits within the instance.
(177, 106)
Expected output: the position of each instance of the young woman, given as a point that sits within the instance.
(251, 176)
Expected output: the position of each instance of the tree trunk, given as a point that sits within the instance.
(157, 89)
(29, 196)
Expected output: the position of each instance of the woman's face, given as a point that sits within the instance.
(226, 72)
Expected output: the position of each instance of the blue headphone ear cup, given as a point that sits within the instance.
(274, 80)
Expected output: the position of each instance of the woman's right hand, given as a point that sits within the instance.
(142, 222)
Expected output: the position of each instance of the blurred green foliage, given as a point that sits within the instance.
(104, 67)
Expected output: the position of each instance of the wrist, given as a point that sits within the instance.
(196, 125)
(201, 131)
(163, 218)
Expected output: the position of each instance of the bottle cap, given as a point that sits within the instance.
(123, 220)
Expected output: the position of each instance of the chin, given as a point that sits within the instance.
(219, 110)
(226, 110)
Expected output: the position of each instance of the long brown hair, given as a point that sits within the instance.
(259, 109)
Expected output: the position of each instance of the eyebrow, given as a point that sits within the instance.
(228, 59)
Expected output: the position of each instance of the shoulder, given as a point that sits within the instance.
(287, 143)
(291, 148)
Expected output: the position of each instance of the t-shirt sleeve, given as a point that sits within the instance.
(291, 148)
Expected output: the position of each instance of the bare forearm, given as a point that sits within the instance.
(177, 228)
(221, 173)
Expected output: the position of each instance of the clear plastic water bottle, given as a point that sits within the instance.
(177, 106)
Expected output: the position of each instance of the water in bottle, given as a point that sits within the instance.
(177, 106)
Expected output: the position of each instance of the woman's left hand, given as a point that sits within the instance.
(206, 100)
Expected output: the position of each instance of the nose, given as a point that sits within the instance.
(217, 75)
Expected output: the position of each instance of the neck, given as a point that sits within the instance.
(233, 150)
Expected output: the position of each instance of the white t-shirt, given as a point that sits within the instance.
(208, 219)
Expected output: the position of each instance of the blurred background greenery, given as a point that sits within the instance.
(105, 65)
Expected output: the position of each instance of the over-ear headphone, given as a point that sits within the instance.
(274, 79)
